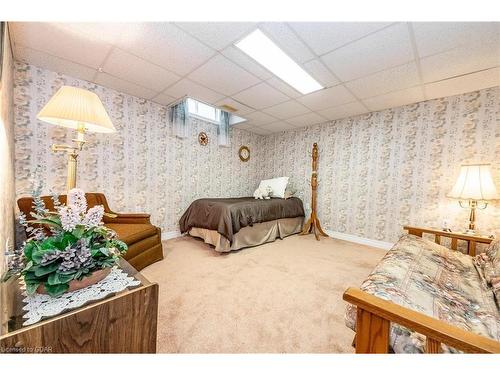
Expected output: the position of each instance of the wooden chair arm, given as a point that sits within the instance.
(375, 310)
(128, 218)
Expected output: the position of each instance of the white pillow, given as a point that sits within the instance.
(277, 184)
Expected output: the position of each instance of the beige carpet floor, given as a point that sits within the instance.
(281, 297)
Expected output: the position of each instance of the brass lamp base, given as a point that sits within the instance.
(72, 156)
(473, 205)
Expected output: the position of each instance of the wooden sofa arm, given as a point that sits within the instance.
(471, 240)
(375, 314)
(119, 218)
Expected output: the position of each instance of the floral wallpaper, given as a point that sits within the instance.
(142, 167)
(377, 172)
(380, 171)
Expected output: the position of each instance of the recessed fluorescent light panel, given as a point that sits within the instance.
(267, 53)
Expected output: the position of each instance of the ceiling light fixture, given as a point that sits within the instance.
(262, 49)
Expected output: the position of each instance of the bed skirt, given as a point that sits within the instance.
(257, 234)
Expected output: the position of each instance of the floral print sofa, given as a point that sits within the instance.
(448, 285)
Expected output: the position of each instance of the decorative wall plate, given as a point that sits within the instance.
(244, 153)
(203, 138)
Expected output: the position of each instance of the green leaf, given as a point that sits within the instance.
(30, 277)
(42, 247)
(104, 251)
(120, 245)
(78, 274)
(28, 249)
(45, 270)
(56, 290)
(37, 255)
(28, 266)
(78, 231)
(48, 243)
(47, 222)
(31, 288)
(58, 278)
(67, 239)
(107, 262)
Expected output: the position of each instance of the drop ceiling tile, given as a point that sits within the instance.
(261, 96)
(108, 32)
(185, 87)
(54, 39)
(310, 118)
(252, 124)
(398, 78)
(286, 110)
(46, 61)
(260, 118)
(320, 72)
(244, 126)
(277, 126)
(460, 60)
(395, 99)
(223, 76)
(378, 51)
(164, 44)
(260, 131)
(327, 98)
(285, 88)
(217, 35)
(134, 69)
(435, 37)
(344, 110)
(164, 99)
(324, 37)
(246, 62)
(126, 87)
(241, 108)
(467, 83)
(281, 34)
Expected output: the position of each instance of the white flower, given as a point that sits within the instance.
(70, 217)
(76, 198)
(93, 216)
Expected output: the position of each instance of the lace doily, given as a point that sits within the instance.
(39, 306)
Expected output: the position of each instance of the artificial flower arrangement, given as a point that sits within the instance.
(79, 248)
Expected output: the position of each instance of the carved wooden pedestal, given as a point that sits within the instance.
(313, 225)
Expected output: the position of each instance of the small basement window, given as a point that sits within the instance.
(209, 113)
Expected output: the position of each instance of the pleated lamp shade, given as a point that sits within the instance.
(73, 107)
(474, 183)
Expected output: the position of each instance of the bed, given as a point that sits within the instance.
(235, 223)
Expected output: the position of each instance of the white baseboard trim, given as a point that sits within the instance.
(361, 240)
(169, 235)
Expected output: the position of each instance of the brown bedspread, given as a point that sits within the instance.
(228, 215)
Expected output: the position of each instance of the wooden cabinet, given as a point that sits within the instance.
(121, 323)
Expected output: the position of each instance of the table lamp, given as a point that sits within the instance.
(475, 186)
(78, 109)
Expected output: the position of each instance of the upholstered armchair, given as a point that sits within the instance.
(143, 238)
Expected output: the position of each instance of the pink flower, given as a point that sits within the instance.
(70, 217)
(76, 198)
(93, 217)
